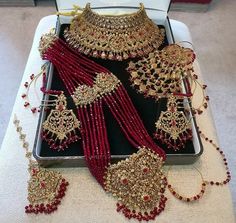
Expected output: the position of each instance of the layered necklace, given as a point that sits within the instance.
(138, 182)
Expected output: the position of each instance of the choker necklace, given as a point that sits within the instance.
(46, 188)
(114, 37)
(138, 182)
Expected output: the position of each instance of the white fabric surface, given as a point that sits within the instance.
(85, 201)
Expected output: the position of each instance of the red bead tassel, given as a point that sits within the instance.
(143, 216)
(49, 207)
(57, 144)
(177, 144)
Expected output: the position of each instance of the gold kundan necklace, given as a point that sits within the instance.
(114, 37)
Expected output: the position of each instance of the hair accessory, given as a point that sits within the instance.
(162, 72)
(60, 125)
(46, 188)
(114, 37)
(172, 127)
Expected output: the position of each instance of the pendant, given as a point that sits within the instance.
(139, 184)
(46, 188)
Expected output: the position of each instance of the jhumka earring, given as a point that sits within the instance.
(173, 128)
(59, 129)
(46, 188)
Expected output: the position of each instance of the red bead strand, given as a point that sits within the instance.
(76, 69)
(228, 175)
(205, 182)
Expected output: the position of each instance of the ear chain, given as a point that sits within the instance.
(27, 85)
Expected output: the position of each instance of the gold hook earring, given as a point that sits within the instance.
(59, 129)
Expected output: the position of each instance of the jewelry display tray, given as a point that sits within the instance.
(148, 109)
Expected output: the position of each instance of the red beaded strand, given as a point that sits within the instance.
(137, 121)
(228, 178)
(74, 69)
(205, 182)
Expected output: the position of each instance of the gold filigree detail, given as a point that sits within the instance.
(114, 37)
(172, 121)
(177, 56)
(46, 41)
(162, 72)
(61, 123)
(43, 185)
(104, 83)
(84, 95)
(138, 181)
(173, 128)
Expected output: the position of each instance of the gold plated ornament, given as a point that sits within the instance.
(172, 127)
(162, 72)
(59, 129)
(46, 188)
(114, 37)
(104, 83)
(138, 183)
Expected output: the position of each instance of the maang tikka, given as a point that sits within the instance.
(46, 188)
(59, 129)
(173, 128)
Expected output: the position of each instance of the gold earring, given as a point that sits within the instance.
(173, 128)
(59, 129)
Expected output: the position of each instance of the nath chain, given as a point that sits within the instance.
(204, 182)
(220, 151)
